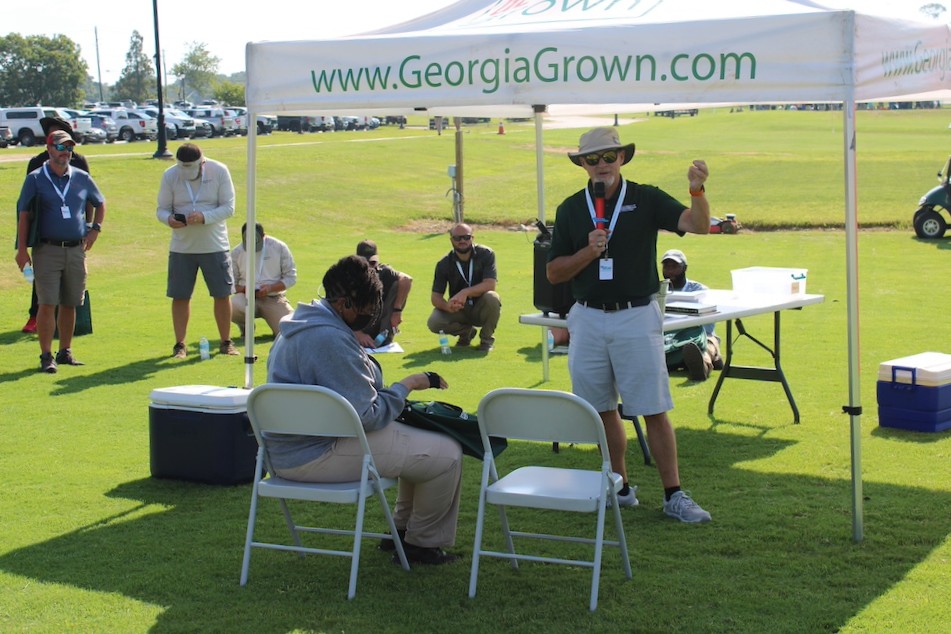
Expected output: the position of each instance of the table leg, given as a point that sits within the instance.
(774, 374)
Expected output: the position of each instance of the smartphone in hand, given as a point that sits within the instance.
(182, 218)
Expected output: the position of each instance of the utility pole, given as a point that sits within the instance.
(161, 151)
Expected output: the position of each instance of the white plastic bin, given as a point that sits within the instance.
(768, 280)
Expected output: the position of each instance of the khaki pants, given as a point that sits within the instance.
(429, 468)
(484, 313)
(272, 308)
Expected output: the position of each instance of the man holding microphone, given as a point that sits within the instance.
(616, 329)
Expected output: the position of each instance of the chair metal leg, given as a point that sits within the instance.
(252, 516)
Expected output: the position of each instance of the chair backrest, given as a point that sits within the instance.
(542, 415)
(306, 410)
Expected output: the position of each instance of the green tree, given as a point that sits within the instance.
(41, 70)
(933, 10)
(229, 92)
(137, 81)
(198, 70)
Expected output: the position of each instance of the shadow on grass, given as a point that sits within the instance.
(778, 543)
(129, 373)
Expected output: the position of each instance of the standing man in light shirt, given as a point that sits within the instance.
(275, 272)
(195, 199)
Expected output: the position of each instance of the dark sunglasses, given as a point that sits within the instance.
(462, 238)
(594, 158)
(62, 147)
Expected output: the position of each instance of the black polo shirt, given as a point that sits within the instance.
(447, 273)
(633, 243)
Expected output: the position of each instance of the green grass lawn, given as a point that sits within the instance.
(89, 542)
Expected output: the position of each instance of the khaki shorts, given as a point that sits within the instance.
(60, 274)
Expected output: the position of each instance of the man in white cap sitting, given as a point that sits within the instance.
(697, 349)
(605, 244)
(195, 199)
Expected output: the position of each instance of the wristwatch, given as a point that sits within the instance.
(96, 227)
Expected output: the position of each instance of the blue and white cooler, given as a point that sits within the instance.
(914, 392)
(201, 433)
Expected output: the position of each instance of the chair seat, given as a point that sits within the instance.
(335, 492)
(550, 488)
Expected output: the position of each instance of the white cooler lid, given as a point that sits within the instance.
(932, 369)
(204, 397)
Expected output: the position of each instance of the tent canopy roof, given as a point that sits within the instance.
(500, 57)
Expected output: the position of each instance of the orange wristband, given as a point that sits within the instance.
(698, 193)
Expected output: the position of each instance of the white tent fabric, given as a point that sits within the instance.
(518, 57)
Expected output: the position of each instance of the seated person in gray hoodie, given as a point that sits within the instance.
(317, 346)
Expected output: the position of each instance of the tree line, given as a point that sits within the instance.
(41, 70)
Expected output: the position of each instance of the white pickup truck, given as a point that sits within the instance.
(132, 125)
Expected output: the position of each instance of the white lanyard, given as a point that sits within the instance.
(459, 266)
(617, 208)
(194, 196)
(61, 194)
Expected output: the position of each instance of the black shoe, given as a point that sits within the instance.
(696, 366)
(47, 364)
(466, 340)
(65, 357)
(388, 545)
(425, 556)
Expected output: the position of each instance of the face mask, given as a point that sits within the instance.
(360, 322)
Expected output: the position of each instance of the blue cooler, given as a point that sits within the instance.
(201, 433)
(915, 392)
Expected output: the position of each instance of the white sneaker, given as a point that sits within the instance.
(682, 507)
(626, 500)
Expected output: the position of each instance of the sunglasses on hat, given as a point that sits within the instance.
(594, 158)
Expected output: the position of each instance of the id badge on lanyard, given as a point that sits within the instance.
(606, 263)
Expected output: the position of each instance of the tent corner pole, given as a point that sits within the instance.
(540, 160)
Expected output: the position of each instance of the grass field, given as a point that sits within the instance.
(90, 543)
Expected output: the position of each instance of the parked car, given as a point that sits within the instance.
(266, 123)
(184, 125)
(221, 124)
(106, 124)
(202, 128)
(24, 123)
(6, 137)
(240, 116)
(95, 135)
(132, 124)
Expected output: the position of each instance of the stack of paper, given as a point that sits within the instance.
(690, 308)
(686, 296)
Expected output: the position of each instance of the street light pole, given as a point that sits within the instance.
(162, 150)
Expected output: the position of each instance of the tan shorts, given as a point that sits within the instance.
(60, 274)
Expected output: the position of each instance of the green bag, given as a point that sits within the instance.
(83, 319)
(453, 421)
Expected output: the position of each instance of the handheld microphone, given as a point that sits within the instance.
(599, 205)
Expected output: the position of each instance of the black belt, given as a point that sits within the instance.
(610, 307)
(62, 243)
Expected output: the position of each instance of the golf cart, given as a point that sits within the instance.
(928, 221)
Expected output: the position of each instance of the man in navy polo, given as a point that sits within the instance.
(52, 207)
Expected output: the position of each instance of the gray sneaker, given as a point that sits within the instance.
(682, 507)
(626, 500)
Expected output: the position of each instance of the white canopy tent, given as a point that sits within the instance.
(519, 57)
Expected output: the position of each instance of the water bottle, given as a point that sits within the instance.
(203, 350)
(551, 340)
(444, 343)
(380, 338)
(28, 273)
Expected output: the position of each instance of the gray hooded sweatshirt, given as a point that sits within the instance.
(317, 347)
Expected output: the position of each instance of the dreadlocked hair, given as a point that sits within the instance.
(354, 279)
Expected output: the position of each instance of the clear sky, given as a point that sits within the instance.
(224, 26)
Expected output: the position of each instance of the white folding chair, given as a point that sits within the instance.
(547, 416)
(309, 410)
